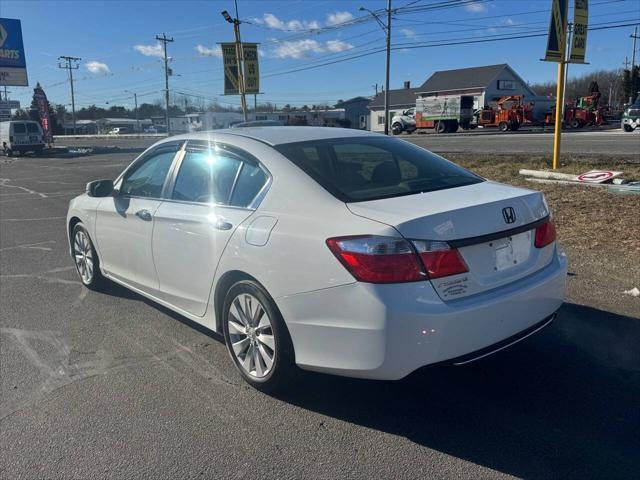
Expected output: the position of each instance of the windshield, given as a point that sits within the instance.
(369, 168)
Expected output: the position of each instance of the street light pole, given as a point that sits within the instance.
(387, 29)
(239, 58)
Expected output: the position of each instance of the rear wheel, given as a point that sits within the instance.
(628, 128)
(441, 127)
(257, 337)
(576, 123)
(396, 128)
(85, 258)
(503, 126)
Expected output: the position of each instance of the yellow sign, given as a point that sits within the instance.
(557, 39)
(580, 26)
(251, 68)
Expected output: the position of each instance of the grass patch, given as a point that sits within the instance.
(587, 218)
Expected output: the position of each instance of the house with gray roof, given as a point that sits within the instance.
(487, 84)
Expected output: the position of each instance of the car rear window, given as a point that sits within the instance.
(370, 168)
(19, 128)
(32, 128)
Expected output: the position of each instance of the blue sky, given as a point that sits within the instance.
(116, 41)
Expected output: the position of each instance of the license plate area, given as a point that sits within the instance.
(511, 251)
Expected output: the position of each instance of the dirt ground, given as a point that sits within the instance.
(599, 230)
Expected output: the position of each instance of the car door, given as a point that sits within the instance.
(125, 221)
(212, 192)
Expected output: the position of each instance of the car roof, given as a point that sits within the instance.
(280, 135)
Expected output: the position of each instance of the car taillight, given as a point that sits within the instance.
(439, 259)
(375, 259)
(545, 234)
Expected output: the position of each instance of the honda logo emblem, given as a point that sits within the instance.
(509, 214)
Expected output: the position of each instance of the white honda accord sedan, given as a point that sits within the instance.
(334, 250)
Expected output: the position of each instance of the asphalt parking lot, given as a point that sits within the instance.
(110, 385)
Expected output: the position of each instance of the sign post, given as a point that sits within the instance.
(13, 66)
(557, 52)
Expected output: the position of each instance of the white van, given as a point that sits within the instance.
(20, 136)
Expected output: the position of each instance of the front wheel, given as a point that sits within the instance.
(503, 126)
(628, 128)
(396, 128)
(257, 337)
(85, 258)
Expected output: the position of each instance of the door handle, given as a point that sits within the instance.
(222, 224)
(144, 215)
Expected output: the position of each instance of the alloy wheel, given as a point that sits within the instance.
(83, 256)
(251, 335)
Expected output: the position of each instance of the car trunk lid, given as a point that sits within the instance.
(492, 225)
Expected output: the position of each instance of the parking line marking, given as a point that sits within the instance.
(4, 183)
(29, 245)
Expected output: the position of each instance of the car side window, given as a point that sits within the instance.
(206, 176)
(251, 180)
(147, 178)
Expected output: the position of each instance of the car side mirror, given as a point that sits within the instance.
(100, 188)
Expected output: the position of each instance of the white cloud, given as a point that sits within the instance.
(208, 52)
(476, 7)
(338, 46)
(509, 21)
(97, 67)
(297, 49)
(271, 21)
(150, 50)
(407, 32)
(338, 17)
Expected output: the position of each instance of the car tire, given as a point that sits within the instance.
(85, 258)
(396, 128)
(441, 126)
(628, 128)
(257, 338)
(503, 126)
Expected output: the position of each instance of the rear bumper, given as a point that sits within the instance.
(388, 331)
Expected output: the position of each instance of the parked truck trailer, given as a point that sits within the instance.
(445, 113)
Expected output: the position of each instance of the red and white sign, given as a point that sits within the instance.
(598, 176)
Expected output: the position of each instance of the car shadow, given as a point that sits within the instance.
(564, 403)
(116, 290)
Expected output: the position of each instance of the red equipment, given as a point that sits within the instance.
(507, 117)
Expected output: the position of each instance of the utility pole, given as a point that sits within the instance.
(633, 63)
(376, 87)
(164, 41)
(135, 102)
(72, 63)
(239, 58)
(387, 29)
